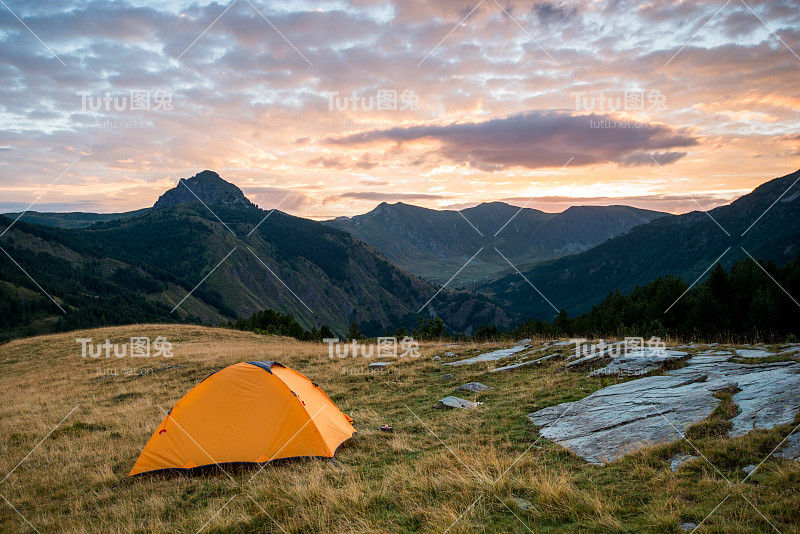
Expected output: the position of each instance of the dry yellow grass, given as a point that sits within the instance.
(402, 482)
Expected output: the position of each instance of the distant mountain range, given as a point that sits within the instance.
(435, 244)
(137, 268)
(75, 219)
(764, 223)
(233, 259)
(207, 185)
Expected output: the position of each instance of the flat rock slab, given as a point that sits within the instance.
(754, 353)
(475, 387)
(491, 356)
(580, 358)
(455, 402)
(621, 418)
(769, 396)
(537, 361)
(791, 448)
(512, 367)
(637, 363)
(379, 365)
(709, 358)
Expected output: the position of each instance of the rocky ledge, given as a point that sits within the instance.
(657, 409)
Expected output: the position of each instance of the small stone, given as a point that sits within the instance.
(446, 377)
(688, 526)
(749, 469)
(522, 504)
(379, 365)
(679, 459)
(475, 387)
(436, 358)
(449, 353)
(455, 402)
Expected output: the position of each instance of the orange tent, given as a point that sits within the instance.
(248, 412)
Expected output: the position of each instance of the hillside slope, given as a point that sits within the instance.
(75, 219)
(140, 268)
(684, 245)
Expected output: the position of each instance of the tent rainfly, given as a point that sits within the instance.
(250, 412)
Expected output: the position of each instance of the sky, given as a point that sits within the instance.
(327, 108)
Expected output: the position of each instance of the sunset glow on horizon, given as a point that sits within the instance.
(329, 108)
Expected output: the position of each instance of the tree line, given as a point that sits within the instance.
(749, 302)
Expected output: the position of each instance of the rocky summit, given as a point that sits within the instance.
(208, 187)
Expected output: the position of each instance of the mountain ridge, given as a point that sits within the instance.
(181, 256)
(434, 244)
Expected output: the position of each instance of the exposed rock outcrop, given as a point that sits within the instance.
(657, 409)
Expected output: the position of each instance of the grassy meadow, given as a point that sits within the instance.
(441, 470)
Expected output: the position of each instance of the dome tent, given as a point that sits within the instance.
(250, 412)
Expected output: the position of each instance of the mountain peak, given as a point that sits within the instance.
(207, 186)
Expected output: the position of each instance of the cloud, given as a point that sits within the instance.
(363, 163)
(637, 159)
(577, 200)
(667, 202)
(268, 198)
(383, 197)
(553, 13)
(374, 183)
(247, 104)
(535, 139)
(328, 162)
